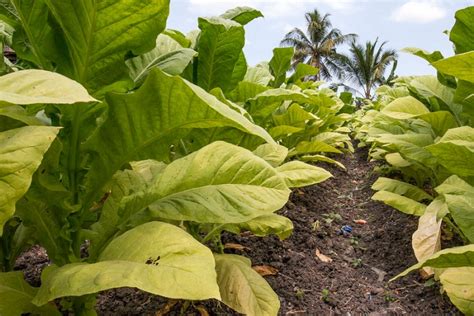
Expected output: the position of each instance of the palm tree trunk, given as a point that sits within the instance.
(315, 62)
(367, 92)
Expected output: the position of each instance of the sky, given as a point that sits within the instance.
(402, 23)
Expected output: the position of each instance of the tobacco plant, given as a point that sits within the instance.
(105, 146)
(300, 115)
(423, 127)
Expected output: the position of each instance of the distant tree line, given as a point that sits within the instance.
(364, 67)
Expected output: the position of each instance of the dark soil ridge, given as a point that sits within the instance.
(355, 282)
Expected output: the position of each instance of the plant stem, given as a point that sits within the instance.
(211, 233)
(456, 230)
(4, 263)
(74, 153)
(184, 307)
(84, 305)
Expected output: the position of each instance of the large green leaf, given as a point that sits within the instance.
(306, 147)
(236, 186)
(178, 37)
(402, 188)
(21, 152)
(39, 86)
(239, 71)
(447, 258)
(465, 97)
(34, 39)
(455, 150)
(17, 295)
(46, 221)
(459, 66)
(272, 153)
(99, 34)
(435, 93)
(462, 32)
(459, 197)
(432, 57)
(14, 116)
(168, 262)
(440, 121)
(316, 158)
(396, 160)
(168, 55)
(217, 92)
(242, 15)
(299, 174)
(335, 139)
(243, 289)
(246, 90)
(295, 116)
(282, 131)
(429, 86)
(259, 74)
(220, 46)
(157, 115)
(429, 57)
(220, 183)
(268, 101)
(265, 225)
(280, 64)
(401, 203)
(404, 108)
(302, 70)
(458, 284)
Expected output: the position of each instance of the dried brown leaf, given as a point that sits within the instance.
(265, 270)
(167, 308)
(322, 257)
(235, 246)
(202, 310)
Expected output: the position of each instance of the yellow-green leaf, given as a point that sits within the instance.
(39, 86)
(158, 258)
(243, 289)
(21, 152)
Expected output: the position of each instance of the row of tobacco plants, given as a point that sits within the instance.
(126, 149)
(422, 128)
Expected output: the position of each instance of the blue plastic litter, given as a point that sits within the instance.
(345, 230)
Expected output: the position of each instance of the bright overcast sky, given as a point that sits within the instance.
(403, 23)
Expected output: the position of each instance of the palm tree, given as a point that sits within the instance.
(317, 47)
(366, 65)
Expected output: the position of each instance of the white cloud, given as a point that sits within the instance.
(270, 8)
(339, 4)
(419, 12)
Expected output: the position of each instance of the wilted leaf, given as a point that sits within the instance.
(426, 239)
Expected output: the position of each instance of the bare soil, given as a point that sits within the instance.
(354, 282)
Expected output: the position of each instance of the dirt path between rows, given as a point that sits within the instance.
(354, 282)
